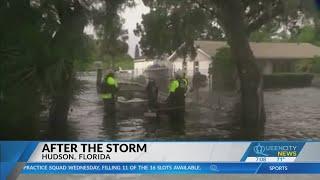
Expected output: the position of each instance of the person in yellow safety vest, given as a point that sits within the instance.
(174, 84)
(109, 89)
(176, 99)
(184, 83)
(176, 103)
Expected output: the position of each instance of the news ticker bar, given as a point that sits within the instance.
(151, 157)
(171, 168)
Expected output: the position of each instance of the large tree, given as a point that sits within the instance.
(20, 43)
(231, 16)
(39, 44)
(72, 18)
(108, 25)
(37, 57)
(237, 19)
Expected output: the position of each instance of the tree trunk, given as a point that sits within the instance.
(59, 109)
(60, 102)
(251, 82)
(58, 117)
(70, 33)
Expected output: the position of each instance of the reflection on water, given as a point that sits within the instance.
(291, 114)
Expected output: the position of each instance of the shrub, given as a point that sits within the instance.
(311, 66)
(316, 65)
(287, 80)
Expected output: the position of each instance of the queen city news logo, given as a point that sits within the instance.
(275, 150)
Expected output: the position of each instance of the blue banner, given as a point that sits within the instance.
(12, 152)
(264, 157)
(171, 168)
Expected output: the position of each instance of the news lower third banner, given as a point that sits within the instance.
(265, 157)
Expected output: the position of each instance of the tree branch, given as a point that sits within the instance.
(206, 7)
(265, 18)
(213, 11)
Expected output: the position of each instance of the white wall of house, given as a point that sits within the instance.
(177, 65)
(140, 66)
(204, 67)
(203, 60)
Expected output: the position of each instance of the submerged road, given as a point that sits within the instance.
(291, 114)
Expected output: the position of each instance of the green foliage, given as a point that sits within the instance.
(40, 45)
(303, 66)
(266, 33)
(287, 80)
(124, 61)
(224, 69)
(223, 61)
(20, 80)
(260, 36)
(165, 29)
(306, 34)
(108, 25)
(309, 66)
(89, 53)
(316, 65)
(170, 24)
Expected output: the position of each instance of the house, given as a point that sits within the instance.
(271, 56)
(140, 64)
(143, 65)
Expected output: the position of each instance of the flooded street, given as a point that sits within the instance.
(291, 114)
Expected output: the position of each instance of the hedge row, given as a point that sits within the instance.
(287, 80)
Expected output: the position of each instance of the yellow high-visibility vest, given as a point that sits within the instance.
(106, 96)
(112, 81)
(173, 85)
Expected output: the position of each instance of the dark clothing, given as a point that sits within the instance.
(180, 94)
(109, 87)
(177, 121)
(176, 99)
(172, 98)
(176, 104)
(184, 83)
(199, 80)
(109, 106)
(152, 93)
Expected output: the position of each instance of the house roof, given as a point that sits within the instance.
(267, 50)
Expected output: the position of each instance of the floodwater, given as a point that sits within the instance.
(291, 114)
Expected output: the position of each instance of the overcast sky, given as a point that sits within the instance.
(133, 16)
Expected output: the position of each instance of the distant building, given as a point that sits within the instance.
(140, 64)
(272, 57)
